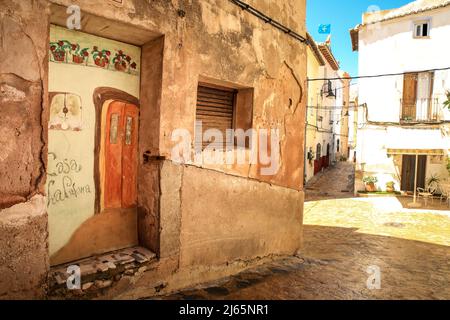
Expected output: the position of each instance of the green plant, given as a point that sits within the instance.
(447, 103)
(434, 179)
(390, 184)
(370, 179)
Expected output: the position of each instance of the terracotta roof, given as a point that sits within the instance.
(414, 7)
(326, 52)
(313, 45)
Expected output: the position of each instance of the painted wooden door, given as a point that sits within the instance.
(121, 147)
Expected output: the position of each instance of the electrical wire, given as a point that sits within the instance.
(378, 75)
(269, 20)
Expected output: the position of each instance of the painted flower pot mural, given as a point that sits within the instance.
(79, 55)
(123, 62)
(59, 50)
(101, 58)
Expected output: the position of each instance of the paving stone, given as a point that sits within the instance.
(87, 269)
(217, 291)
(139, 258)
(87, 286)
(103, 283)
(102, 267)
(60, 280)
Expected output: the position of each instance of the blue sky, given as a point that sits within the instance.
(342, 15)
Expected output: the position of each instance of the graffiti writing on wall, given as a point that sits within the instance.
(62, 184)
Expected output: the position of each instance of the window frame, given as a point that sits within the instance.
(242, 109)
(421, 23)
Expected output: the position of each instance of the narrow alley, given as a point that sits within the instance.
(333, 183)
(345, 238)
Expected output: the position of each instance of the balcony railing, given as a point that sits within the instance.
(420, 110)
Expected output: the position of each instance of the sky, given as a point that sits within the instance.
(343, 15)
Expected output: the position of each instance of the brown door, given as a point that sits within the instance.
(409, 96)
(408, 172)
(121, 149)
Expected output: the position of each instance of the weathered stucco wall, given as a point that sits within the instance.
(201, 40)
(23, 219)
(225, 218)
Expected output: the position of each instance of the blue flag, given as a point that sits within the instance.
(325, 28)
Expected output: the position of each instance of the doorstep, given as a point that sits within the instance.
(100, 272)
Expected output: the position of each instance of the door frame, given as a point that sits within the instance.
(102, 95)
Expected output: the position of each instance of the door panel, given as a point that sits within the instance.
(121, 147)
(129, 159)
(113, 156)
(421, 171)
(409, 96)
(408, 172)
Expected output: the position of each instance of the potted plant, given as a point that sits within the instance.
(101, 58)
(390, 186)
(447, 103)
(433, 181)
(79, 55)
(370, 181)
(59, 50)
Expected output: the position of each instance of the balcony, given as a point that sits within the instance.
(420, 111)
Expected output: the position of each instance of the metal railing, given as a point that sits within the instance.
(420, 110)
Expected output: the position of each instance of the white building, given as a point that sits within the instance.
(404, 120)
(325, 101)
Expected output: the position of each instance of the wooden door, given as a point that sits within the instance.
(121, 139)
(409, 96)
(129, 157)
(408, 172)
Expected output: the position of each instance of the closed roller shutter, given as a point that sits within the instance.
(215, 109)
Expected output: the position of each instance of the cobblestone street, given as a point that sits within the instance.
(342, 239)
(336, 182)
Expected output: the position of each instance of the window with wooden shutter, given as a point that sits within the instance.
(215, 110)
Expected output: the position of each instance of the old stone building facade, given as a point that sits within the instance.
(87, 132)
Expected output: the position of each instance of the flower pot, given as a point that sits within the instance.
(390, 189)
(100, 62)
(370, 187)
(59, 56)
(120, 66)
(78, 59)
